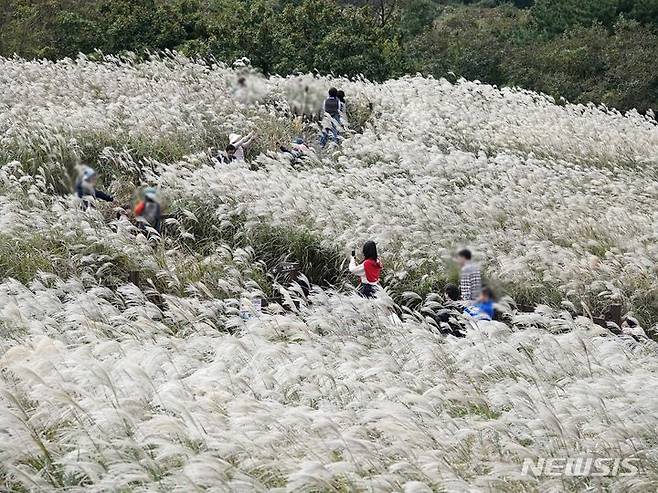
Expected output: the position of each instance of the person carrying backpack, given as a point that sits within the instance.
(331, 107)
(148, 211)
(85, 189)
(369, 270)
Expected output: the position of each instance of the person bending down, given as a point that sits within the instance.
(483, 309)
(85, 189)
(148, 211)
(297, 149)
(369, 270)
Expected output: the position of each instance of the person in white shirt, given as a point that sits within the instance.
(237, 145)
(368, 271)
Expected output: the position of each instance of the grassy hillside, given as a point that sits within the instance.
(161, 386)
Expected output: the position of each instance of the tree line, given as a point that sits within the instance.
(583, 50)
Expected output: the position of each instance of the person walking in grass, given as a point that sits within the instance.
(470, 280)
(85, 189)
(330, 110)
(342, 108)
(368, 271)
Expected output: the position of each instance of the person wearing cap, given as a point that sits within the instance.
(299, 146)
(148, 211)
(237, 145)
(85, 188)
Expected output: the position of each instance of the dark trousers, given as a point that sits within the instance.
(367, 290)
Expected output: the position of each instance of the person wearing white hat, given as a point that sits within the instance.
(237, 145)
(85, 188)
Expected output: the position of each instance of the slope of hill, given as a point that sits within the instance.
(162, 386)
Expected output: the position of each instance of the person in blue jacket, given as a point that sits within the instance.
(483, 308)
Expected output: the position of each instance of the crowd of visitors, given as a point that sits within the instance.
(470, 298)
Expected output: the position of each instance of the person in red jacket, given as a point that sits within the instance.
(148, 212)
(369, 270)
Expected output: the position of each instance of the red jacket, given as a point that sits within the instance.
(139, 208)
(373, 269)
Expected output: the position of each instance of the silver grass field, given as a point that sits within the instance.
(106, 385)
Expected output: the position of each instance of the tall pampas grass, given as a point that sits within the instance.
(125, 364)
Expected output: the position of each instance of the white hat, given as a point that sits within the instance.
(234, 138)
(88, 173)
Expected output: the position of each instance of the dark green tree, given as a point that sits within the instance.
(470, 42)
(556, 16)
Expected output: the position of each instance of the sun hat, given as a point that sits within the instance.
(88, 172)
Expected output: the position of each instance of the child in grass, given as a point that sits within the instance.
(237, 146)
(483, 309)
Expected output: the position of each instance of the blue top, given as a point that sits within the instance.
(482, 310)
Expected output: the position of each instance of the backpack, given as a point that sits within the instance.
(151, 214)
(331, 106)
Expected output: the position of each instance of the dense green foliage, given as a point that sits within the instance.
(582, 50)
